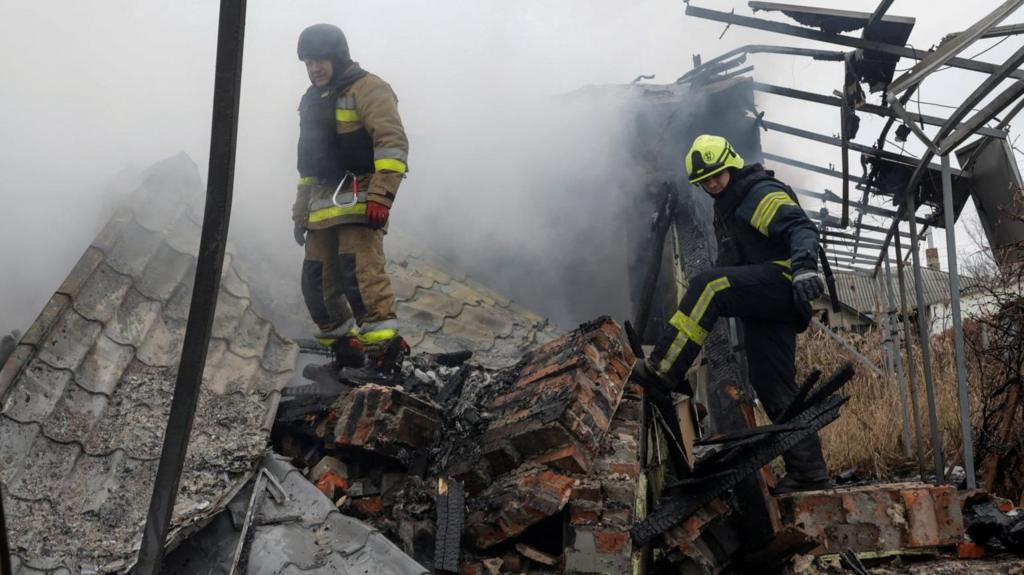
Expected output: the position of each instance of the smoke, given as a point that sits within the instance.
(519, 185)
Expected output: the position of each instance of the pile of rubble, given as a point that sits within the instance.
(535, 467)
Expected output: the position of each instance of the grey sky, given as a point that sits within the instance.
(93, 88)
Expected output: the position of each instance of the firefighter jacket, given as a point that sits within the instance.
(350, 133)
(758, 220)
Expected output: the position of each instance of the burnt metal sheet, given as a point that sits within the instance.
(995, 187)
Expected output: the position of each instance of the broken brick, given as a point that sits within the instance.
(561, 404)
(877, 517)
(508, 508)
(969, 550)
(325, 465)
(537, 555)
(385, 420)
(611, 542)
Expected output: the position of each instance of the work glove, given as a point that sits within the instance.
(807, 286)
(377, 214)
(300, 233)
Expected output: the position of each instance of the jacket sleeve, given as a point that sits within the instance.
(300, 209)
(778, 216)
(378, 110)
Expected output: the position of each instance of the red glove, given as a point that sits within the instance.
(377, 214)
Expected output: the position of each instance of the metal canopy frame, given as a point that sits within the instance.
(953, 131)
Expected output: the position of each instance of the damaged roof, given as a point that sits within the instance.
(86, 393)
(295, 529)
(862, 292)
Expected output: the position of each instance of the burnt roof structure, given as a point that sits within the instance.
(906, 182)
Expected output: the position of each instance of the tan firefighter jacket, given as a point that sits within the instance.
(366, 116)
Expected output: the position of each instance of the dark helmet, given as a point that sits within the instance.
(323, 42)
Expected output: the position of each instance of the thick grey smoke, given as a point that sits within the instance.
(507, 177)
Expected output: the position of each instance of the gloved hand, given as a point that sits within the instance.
(807, 286)
(377, 214)
(300, 233)
(646, 375)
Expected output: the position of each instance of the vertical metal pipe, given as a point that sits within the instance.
(958, 330)
(926, 352)
(897, 359)
(209, 263)
(908, 339)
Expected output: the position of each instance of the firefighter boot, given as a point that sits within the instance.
(346, 351)
(383, 363)
(805, 468)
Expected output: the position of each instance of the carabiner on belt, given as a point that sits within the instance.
(355, 191)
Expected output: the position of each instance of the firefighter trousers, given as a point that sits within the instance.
(761, 297)
(344, 282)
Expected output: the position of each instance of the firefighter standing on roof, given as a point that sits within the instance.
(352, 156)
(766, 275)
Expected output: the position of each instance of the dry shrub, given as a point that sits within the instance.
(867, 435)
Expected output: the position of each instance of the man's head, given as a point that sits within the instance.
(710, 162)
(324, 50)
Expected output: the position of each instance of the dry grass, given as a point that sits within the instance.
(867, 436)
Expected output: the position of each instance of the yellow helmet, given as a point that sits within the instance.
(710, 155)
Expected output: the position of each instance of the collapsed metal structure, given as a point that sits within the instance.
(908, 183)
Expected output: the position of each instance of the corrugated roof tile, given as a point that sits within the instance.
(228, 372)
(18, 439)
(162, 345)
(402, 283)
(439, 302)
(163, 272)
(133, 249)
(100, 297)
(419, 317)
(44, 469)
(74, 415)
(36, 392)
(69, 341)
(228, 315)
(280, 354)
(133, 319)
(250, 337)
(102, 367)
(497, 320)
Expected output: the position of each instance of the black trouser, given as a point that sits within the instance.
(761, 296)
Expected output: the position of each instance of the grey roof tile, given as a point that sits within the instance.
(280, 354)
(438, 302)
(232, 282)
(44, 322)
(469, 335)
(228, 315)
(498, 321)
(251, 335)
(418, 317)
(163, 272)
(162, 345)
(177, 307)
(74, 415)
(226, 371)
(133, 319)
(36, 392)
(69, 340)
(43, 473)
(133, 249)
(101, 369)
(402, 283)
(101, 295)
(184, 236)
(17, 441)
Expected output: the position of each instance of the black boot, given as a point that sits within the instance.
(805, 468)
(383, 364)
(347, 352)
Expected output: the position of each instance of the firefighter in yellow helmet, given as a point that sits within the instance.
(766, 275)
(352, 156)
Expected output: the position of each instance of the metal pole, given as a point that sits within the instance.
(209, 263)
(958, 331)
(911, 368)
(926, 353)
(846, 346)
(897, 357)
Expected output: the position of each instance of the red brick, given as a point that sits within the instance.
(369, 506)
(512, 505)
(383, 419)
(581, 516)
(570, 458)
(332, 485)
(611, 542)
(969, 550)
